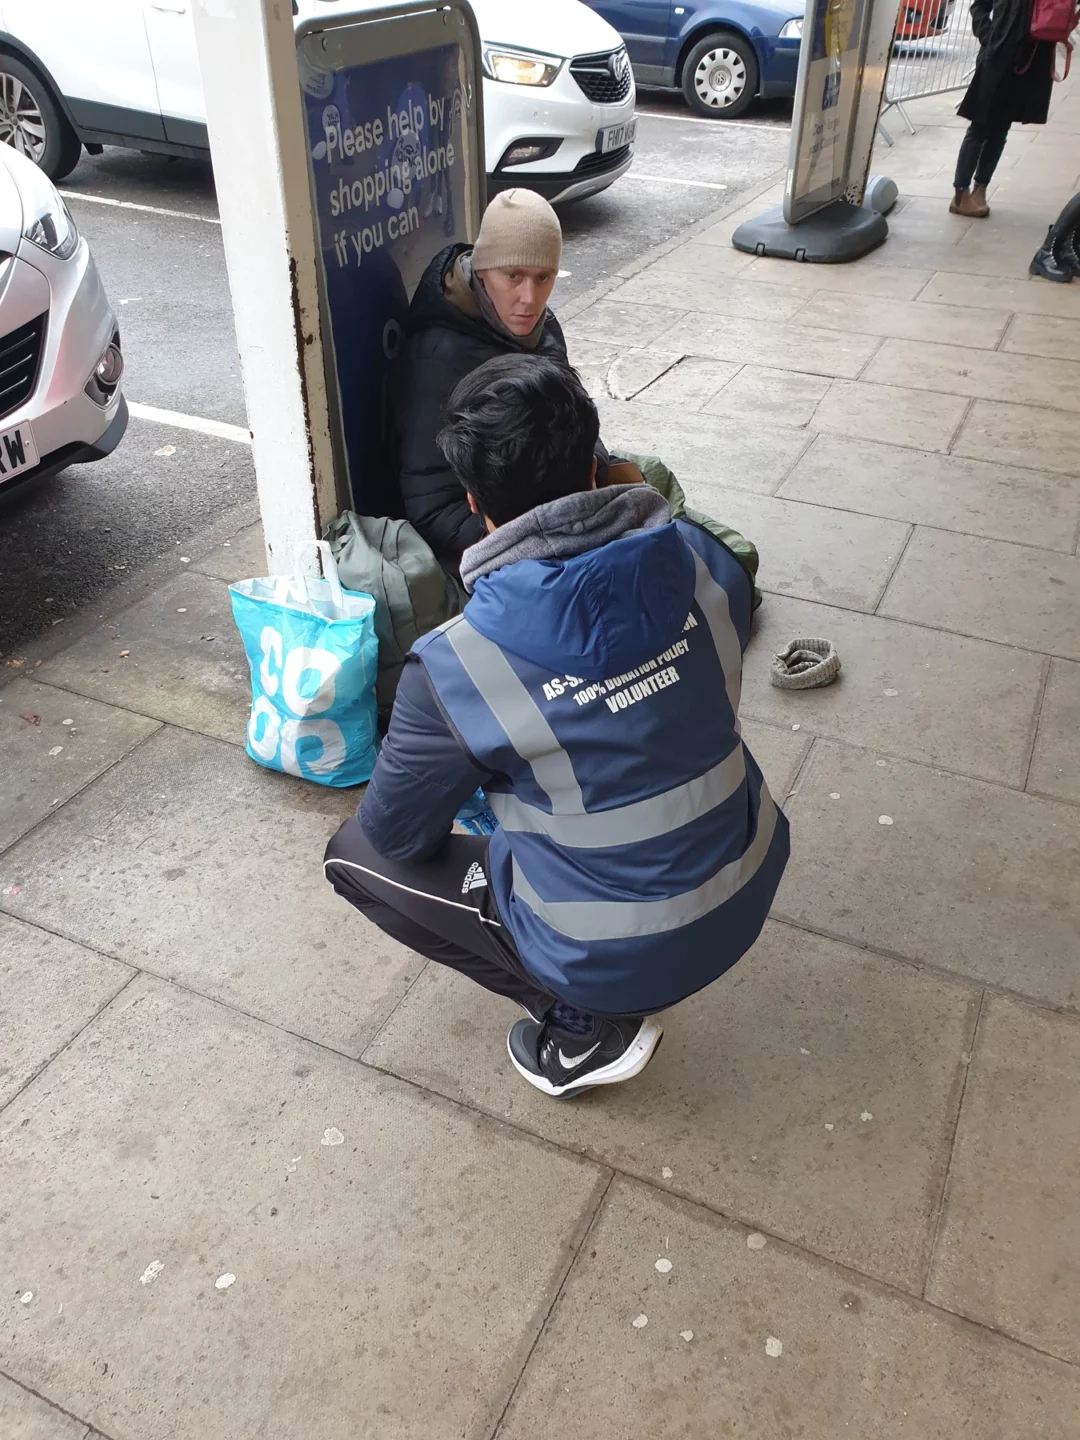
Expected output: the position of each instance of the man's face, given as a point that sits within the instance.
(519, 295)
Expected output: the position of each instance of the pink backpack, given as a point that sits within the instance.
(1054, 21)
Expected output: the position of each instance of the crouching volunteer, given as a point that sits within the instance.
(592, 687)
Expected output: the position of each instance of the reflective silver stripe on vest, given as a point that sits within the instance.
(519, 715)
(712, 598)
(625, 824)
(623, 919)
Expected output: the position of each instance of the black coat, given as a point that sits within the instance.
(442, 345)
(1014, 75)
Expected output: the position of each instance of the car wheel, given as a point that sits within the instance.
(31, 121)
(720, 77)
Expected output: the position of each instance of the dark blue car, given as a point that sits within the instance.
(721, 53)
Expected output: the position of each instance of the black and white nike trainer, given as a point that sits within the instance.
(561, 1064)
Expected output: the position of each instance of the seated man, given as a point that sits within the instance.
(472, 304)
(592, 687)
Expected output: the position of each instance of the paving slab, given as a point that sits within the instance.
(689, 384)
(1033, 192)
(907, 319)
(732, 297)
(52, 744)
(24, 1417)
(239, 558)
(770, 397)
(978, 497)
(969, 877)
(591, 359)
(1043, 335)
(845, 1357)
(983, 375)
(1055, 764)
(1021, 435)
(708, 257)
(585, 353)
(989, 588)
(915, 214)
(622, 324)
(704, 447)
(1028, 297)
(1002, 255)
(721, 231)
(191, 861)
(632, 370)
(49, 989)
(808, 550)
(1007, 251)
(399, 1254)
(1008, 1251)
(782, 345)
(901, 284)
(893, 414)
(175, 656)
(755, 1100)
(779, 751)
(919, 694)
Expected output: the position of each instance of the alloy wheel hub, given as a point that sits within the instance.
(22, 124)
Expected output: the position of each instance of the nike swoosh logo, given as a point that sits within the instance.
(574, 1061)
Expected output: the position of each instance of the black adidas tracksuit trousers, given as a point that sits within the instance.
(442, 908)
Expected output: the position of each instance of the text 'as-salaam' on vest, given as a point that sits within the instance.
(644, 680)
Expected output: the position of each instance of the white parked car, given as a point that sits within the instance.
(558, 87)
(60, 361)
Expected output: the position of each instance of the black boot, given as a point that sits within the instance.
(1069, 252)
(1047, 261)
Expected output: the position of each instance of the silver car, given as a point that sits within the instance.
(60, 360)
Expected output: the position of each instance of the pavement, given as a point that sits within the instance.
(264, 1173)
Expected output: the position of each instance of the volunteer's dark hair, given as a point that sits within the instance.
(520, 431)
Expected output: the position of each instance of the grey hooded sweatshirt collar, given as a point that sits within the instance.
(566, 527)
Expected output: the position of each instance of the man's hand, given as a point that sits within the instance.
(624, 472)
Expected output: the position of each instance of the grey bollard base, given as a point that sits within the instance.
(839, 232)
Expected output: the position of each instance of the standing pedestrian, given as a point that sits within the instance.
(1013, 78)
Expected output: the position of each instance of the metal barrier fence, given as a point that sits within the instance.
(934, 52)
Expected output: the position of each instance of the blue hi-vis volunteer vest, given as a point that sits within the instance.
(638, 848)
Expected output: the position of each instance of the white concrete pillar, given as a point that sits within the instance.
(247, 54)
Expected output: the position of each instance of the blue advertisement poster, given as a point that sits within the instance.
(389, 178)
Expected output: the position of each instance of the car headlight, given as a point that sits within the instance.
(47, 222)
(792, 30)
(519, 67)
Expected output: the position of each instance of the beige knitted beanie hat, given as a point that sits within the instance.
(519, 228)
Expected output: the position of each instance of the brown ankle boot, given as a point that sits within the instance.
(967, 203)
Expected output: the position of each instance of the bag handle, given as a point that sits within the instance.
(295, 586)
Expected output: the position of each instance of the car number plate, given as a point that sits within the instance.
(17, 451)
(614, 137)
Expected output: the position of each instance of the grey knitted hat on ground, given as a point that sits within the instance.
(519, 228)
(805, 664)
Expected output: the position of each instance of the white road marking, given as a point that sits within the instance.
(700, 120)
(671, 180)
(190, 422)
(131, 205)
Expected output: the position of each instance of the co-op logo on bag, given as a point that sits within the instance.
(302, 682)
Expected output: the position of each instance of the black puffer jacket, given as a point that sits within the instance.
(442, 345)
